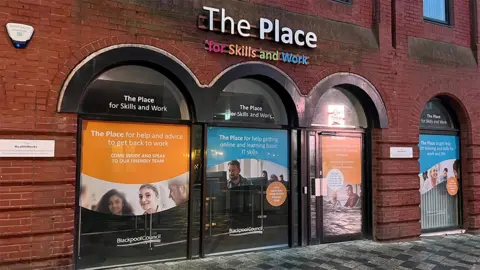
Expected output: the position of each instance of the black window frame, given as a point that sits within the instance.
(448, 15)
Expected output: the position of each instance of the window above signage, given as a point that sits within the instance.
(250, 101)
(338, 107)
(133, 90)
(436, 116)
(267, 29)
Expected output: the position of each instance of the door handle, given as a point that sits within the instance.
(305, 190)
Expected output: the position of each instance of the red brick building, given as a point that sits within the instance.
(395, 65)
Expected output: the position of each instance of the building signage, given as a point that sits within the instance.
(266, 30)
(266, 27)
(27, 148)
(250, 52)
(435, 117)
(123, 98)
(401, 152)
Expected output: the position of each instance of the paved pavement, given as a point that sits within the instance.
(448, 252)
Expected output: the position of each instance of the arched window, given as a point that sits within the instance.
(249, 100)
(439, 161)
(435, 116)
(133, 165)
(246, 165)
(339, 108)
(136, 91)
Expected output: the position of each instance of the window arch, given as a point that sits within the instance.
(436, 116)
(249, 100)
(439, 160)
(136, 91)
(338, 107)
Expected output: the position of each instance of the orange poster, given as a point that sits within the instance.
(341, 160)
(342, 170)
(143, 167)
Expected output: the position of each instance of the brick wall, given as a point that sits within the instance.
(37, 195)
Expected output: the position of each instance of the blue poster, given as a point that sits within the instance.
(255, 152)
(439, 160)
(248, 177)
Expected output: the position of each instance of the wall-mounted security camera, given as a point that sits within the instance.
(20, 34)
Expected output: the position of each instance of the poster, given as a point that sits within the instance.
(439, 180)
(248, 175)
(133, 169)
(134, 191)
(247, 154)
(342, 169)
(439, 160)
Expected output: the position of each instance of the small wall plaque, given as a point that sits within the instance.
(401, 152)
(27, 148)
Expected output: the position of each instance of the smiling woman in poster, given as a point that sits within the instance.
(114, 202)
(149, 199)
(432, 181)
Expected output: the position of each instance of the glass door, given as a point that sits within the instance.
(338, 187)
(246, 189)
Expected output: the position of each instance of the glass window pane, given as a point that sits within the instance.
(250, 100)
(136, 91)
(339, 108)
(312, 158)
(247, 189)
(436, 116)
(196, 194)
(293, 187)
(134, 193)
(439, 181)
(342, 168)
(435, 9)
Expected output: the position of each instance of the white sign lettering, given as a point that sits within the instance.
(281, 34)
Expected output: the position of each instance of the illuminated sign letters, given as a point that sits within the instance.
(266, 27)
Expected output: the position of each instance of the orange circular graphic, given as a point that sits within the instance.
(452, 186)
(276, 194)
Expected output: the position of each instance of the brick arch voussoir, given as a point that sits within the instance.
(86, 50)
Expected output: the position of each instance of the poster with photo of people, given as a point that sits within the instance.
(248, 177)
(439, 160)
(134, 189)
(439, 180)
(342, 169)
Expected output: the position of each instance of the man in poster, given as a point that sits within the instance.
(352, 197)
(178, 190)
(235, 179)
